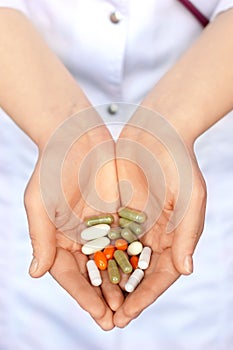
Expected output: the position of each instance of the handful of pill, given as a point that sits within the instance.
(116, 248)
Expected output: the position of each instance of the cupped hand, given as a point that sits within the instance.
(75, 177)
(158, 173)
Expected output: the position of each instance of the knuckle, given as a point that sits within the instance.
(30, 199)
(132, 314)
(194, 235)
(200, 191)
(27, 198)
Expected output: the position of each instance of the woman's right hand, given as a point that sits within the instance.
(75, 177)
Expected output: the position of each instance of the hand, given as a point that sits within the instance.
(78, 158)
(167, 184)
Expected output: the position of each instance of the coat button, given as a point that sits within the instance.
(112, 108)
(115, 17)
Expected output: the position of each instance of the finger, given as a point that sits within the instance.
(42, 233)
(159, 277)
(66, 272)
(111, 292)
(188, 232)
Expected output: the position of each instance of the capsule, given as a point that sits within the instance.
(134, 280)
(94, 232)
(123, 261)
(93, 273)
(100, 260)
(99, 219)
(133, 215)
(128, 235)
(133, 226)
(134, 261)
(96, 244)
(113, 272)
(109, 251)
(144, 258)
(114, 233)
(121, 244)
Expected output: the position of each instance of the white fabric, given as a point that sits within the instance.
(129, 57)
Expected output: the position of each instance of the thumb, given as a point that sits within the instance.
(42, 233)
(187, 234)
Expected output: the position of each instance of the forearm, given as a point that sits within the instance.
(197, 91)
(36, 90)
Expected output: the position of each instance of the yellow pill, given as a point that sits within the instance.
(123, 261)
(113, 272)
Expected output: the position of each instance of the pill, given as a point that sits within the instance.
(135, 248)
(128, 235)
(133, 215)
(109, 251)
(94, 232)
(134, 280)
(121, 244)
(96, 244)
(100, 260)
(93, 273)
(144, 258)
(134, 261)
(114, 233)
(113, 272)
(133, 226)
(123, 261)
(99, 219)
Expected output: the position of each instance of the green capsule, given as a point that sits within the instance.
(133, 215)
(113, 272)
(123, 261)
(99, 219)
(133, 226)
(128, 235)
(114, 233)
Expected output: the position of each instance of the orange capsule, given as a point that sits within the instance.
(100, 260)
(109, 251)
(121, 244)
(134, 261)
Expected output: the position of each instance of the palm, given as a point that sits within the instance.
(166, 183)
(75, 177)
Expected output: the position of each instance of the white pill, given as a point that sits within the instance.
(93, 273)
(134, 280)
(94, 232)
(96, 244)
(134, 248)
(144, 258)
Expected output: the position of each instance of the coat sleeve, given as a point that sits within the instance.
(223, 5)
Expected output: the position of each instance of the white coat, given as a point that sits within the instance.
(130, 56)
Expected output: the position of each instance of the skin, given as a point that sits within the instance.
(40, 75)
(200, 100)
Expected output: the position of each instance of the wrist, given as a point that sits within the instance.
(185, 122)
(51, 120)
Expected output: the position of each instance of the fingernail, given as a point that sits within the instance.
(34, 266)
(188, 264)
